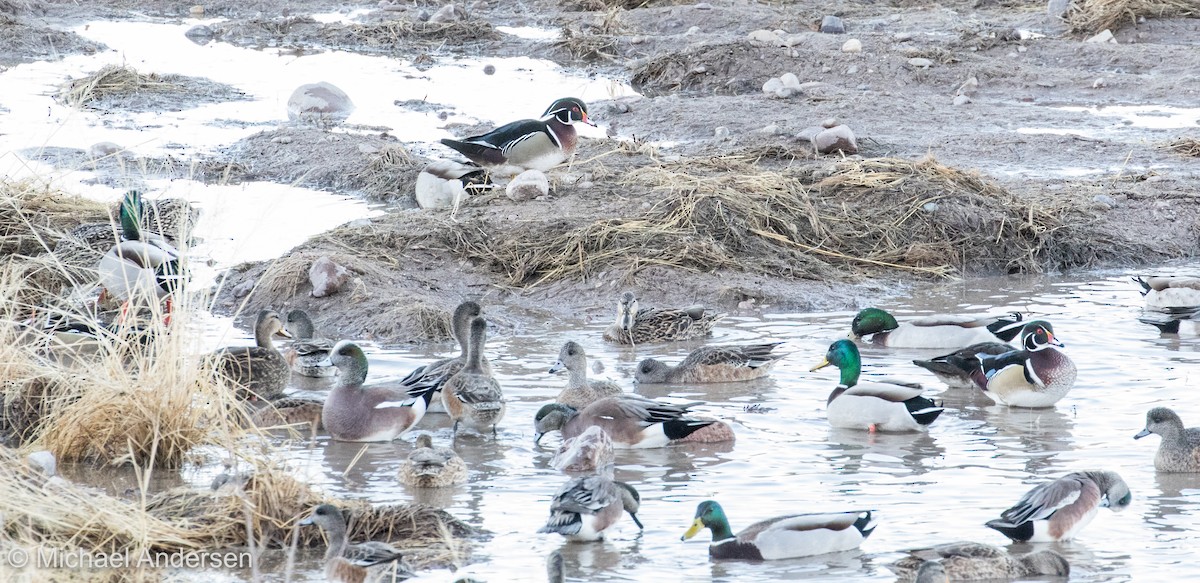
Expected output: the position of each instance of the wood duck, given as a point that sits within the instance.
(1037, 375)
(537, 144)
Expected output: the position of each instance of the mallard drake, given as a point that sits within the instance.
(1037, 375)
(631, 421)
(968, 561)
(446, 184)
(588, 505)
(472, 395)
(429, 378)
(1179, 450)
(142, 263)
(432, 467)
(580, 391)
(529, 144)
(1057, 510)
(872, 406)
(712, 364)
(937, 331)
(354, 412)
(259, 370)
(307, 355)
(1169, 301)
(637, 325)
(587, 452)
(782, 537)
(354, 563)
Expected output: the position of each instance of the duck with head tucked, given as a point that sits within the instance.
(1179, 450)
(968, 561)
(580, 391)
(587, 506)
(712, 364)
(1058, 510)
(782, 537)
(1169, 301)
(587, 452)
(937, 331)
(632, 421)
(472, 396)
(359, 562)
(307, 355)
(429, 378)
(260, 371)
(432, 467)
(638, 325)
(353, 412)
(874, 406)
(529, 144)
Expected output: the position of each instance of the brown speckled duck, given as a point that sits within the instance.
(354, 563)
(712, 364)
(260, 370)
(472, 396)
(637, 325)
(968, 561)
(432, 467)
(1179, 450)
(430, 377)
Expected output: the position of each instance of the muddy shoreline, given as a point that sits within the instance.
(1041, 120)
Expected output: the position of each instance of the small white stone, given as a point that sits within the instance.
(852, 69)
(1099, 83)
(703, 6)
(920, 62)
(829, 122)
(692, 30)
(962, 100)
(768, 130)
(1012, 55)
(790, 80)
(765, 37)
(772, 86)
(787, 92)
(969, 87)
(528, 185)
(1021, 49)
(721, 132)
(852, 46)
(902, 37)
(930, 207)
(1105, 36)
(327, 277)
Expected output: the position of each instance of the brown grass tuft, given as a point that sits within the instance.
(1094, 16)
(391, 173)
(113, 80)
(585, 46)
(395, 32)
(1185, 146)
(34, 216)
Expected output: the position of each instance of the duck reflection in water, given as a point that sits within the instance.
(914, 451)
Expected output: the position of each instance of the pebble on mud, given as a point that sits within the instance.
(1099, 83)
(319, 102)
(961, 100)
(102, 149)
(969, 87)
(1104, 202)
(528, 185)
(920, 62)
(837, 138)
(852, 46)
(830, 122)
(197, 11)
(489, 69)
(832, 25)
(449, 13)
(765, 38)
(782, 87)
(243, 289)
(327, 277)
(720, 132)
(1105, 36)
(703, 6)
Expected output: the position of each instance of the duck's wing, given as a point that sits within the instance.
(885, 391)
(585, 495)
(1071, 493)
(991, 364)
(373, 553)
(749, 355)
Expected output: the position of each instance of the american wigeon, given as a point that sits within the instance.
(712, 364)
(580, 391)
(1179, 450)
(872, 406)
(472, 396)
(936, 331)
(260, 371)
(432, 467)
(588, 505)
(353, 412)
(969, 561)
(1039, 374)
(782, 537)
(637, 325)
(587, 452)
(429, 378)
(632, 421)
(354, 563)
(1059, 509)
(307, 354)
(1169, 301)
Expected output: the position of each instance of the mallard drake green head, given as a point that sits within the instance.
(782, 537)
(872, 321)
(141, 262)
(845, 356)
(872, 406)
(934, 331)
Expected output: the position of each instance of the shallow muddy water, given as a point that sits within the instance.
(928, 488)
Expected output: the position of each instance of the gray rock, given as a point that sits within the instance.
(788, 92)
(702, 6)
(920, 62)
(1057, 8)
(327, 278)
(1105, 36)
(765, 38)
(834, 139)
(832, 25)
(772, 86)
(902, 37)
(449, 13)
(829, 122)
(102, 149)
(969, 87)
(241, 290)
(768, 130)
(1104, 201)
(528, 185)
(930, 207)
(319, 102)
(852, 46)
(200, 34)
(489, 69)
(807, 134)
(42, 461)
(721, 132)
(790, 80)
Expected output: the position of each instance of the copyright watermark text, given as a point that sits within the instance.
(79, 559)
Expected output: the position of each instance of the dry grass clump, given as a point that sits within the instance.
(1093, 16)
(113, 80)
(417, 320)
(584, 46)
(709, 67)
(862, 215)
(33, 216)
(1185, 146)
(391, 173)
(394, 32)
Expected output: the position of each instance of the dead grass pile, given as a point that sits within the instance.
(603, 5)
(392, 33)
(33, 216)
(113, 80)
(391, 173)
(1185, 146)
(1094, 16)
(585, 46)
(416, 320)
(859, 216)
(712, 67)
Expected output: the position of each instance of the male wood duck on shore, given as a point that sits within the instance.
(537, 144)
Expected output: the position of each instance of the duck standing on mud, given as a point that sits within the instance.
(529, 144)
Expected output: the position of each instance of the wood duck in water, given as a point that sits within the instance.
(537, 144)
